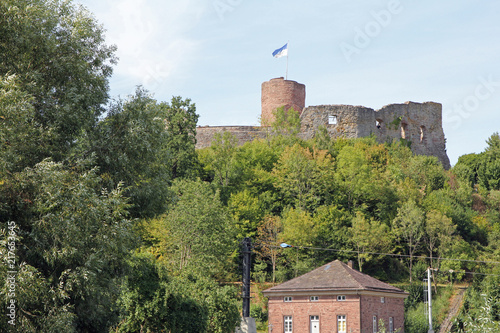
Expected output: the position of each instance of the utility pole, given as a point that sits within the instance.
(247, 257)
(429, 293)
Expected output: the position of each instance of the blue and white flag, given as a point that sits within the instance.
(281, 52)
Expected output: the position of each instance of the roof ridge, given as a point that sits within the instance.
(335, 275)
(349, 271)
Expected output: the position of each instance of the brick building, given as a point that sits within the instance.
(335, 298)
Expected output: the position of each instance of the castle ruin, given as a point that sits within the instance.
(418, 123)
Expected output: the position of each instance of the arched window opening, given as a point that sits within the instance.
(422, 134)
(404, 129)
(378, 123)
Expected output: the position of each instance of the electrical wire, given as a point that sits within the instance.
(392, 255)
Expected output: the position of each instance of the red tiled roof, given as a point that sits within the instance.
(334, 276)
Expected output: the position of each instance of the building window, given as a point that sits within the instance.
(375, 328)
(382, 299)
(332, 120)
(314, 298)
(288, 324)
(341, 298)
(378, 123)
(341, 324)
(391, 325)
(287, 299)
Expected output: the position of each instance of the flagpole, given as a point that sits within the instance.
(287, 54)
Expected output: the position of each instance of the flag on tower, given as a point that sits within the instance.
(281, 52)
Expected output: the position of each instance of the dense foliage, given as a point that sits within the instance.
(112, 222)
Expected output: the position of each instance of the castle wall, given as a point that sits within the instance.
(280, 92)
(206, 134)
(419, 123)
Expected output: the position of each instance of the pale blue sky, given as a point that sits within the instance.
(370, 53)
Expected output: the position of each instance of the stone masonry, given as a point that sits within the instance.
(280, 92)
(420, 124)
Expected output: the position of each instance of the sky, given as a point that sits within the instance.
(371, 53)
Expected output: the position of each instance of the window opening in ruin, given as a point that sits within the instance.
(378, 123)
(422, 133)
(332, 120)
(404, 128)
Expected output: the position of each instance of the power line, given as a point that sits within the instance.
(386, 254)
(392, 255)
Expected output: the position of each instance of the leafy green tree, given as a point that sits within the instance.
(198, 228)
(219, 160)
(58, 54)
(74, 237)
(247, 213)
(269, 238)
(181, 120)
(19, 134)
(489, 170)
(368, 236)
(152, 301)
(438, 231)
(218, 302)
(286, 122)
(131, 146)
(332, 225)
(409, 226)
(304, 178)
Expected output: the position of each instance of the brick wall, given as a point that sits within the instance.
(358, 309)
(372, 306)
(280, 92)
(327, 308)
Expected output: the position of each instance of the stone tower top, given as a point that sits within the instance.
(280, 92)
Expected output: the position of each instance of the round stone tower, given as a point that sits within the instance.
(280, 92)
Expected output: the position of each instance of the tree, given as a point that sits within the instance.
(304, 178)
(409, 226)
(74, 237)
(198, 229)
(153, 301)
(286, 122)
(438, 230)
(268, 241)
(58, 54)
(131, 146)
(18, 130)
(181, 120)
(489, 170)
(219, 159)
(247, 213)
(368, 236)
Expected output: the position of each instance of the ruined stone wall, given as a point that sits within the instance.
(205, 134)
(419, 123)
(280, 92)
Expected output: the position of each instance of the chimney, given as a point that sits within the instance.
(350, 263)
